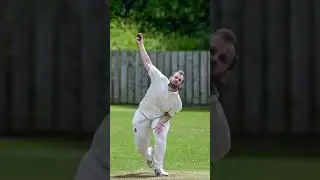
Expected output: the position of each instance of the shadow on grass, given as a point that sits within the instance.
(134, 175)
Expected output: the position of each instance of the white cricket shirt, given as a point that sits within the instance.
(158, 99)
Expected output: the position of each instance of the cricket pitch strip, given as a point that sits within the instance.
(173, 175)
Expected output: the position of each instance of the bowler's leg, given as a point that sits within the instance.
(160, 144)
(95, 163)
(219, 132)
(141, 130)
(92, 167)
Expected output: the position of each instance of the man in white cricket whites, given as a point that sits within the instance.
(159, 105)
(223, 58)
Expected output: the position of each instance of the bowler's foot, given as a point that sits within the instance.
(150, 160)
(160, 172)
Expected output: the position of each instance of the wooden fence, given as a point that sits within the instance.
(277, 86)
(129, 80)
(53, 73)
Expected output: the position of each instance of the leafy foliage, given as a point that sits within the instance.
(187, 16)
(123, 33)
(168, 24)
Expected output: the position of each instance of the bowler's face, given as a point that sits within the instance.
(176, 80)
(222, 54)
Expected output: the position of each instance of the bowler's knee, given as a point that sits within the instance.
(226, 148)
(141, 145)
(160, 141)
(221, 150)
(140, 149)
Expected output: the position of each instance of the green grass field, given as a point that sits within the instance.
(267, 168)
(188, 148)
(187, 154)
(34, 159)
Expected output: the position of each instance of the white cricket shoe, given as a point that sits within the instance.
(160, 172)
(150, 160)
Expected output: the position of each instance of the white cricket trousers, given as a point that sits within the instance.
(141, 129)
(219, 131)
(95, 163)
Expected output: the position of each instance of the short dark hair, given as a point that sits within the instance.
(229, 36)
(180, 72)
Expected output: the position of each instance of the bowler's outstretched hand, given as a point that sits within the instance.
(158, 128)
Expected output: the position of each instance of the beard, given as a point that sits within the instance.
(173, 86)
(217, 77)
(214, 77)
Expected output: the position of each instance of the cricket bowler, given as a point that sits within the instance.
(223, 57)
(160, 103)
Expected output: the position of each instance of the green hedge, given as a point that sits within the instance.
(123, 34)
